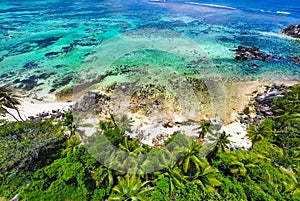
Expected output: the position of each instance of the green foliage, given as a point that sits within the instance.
(24, 143)
(130, 188)
(47, 160)
(190, 192)
(190, 159)
(65, 178)
(162, 190)
(230, 185)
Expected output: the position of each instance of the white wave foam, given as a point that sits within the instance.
(271, 34)
(211, 5)
(283, 12)
(218, 6)
(194, 3)
(265, 11)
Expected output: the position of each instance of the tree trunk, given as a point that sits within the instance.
(18, 113)
(12, 115)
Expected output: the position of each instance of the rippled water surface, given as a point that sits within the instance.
(44, 44)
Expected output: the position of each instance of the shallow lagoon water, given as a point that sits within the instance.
(45, 44)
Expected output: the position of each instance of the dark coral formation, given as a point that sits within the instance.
(43, 43)
(61, 82)
(32, 81)
(248, 53)
(30, 65)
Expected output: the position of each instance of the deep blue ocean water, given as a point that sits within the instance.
(287, 7)
(43, 44)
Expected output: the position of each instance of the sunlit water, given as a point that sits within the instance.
(44, 44)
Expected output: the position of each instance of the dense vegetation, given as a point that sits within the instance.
(46, 161)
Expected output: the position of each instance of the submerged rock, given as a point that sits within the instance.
(247, 53)
(30, 65)
(52, 54)
(43, 43)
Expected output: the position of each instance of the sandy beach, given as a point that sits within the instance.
(30, 107)
(238, 95)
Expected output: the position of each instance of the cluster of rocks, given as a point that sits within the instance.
(148, 106)
(54, 114)
(93, 103)
(292, 31)
(247, 53)
(261, 105)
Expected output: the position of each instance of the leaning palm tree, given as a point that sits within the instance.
(205, 127)
(223, 141)
(130, 188)
(9, 100)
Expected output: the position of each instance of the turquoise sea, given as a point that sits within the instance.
(44, 45)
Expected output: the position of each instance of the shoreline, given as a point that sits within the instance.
(32, 108)
(238, 96)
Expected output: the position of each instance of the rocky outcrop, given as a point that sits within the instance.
(253, 53)
(261, 105)
(54, 114)
(292, 31)
(93, 103)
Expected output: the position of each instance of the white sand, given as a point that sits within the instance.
(236, 130)
(237, 135)
(31, 107)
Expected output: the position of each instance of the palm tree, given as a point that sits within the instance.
(9, 100)
(206, 178)
(190, 161)
(130, 188)
(72, 144)
(237, 168)
(221, 145)
(103, 176)
(130, 146)
(256, 134)
(175, 176)
(124, 123)
(205, 127)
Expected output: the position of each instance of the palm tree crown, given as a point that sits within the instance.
(9, 100)
(130, 188)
